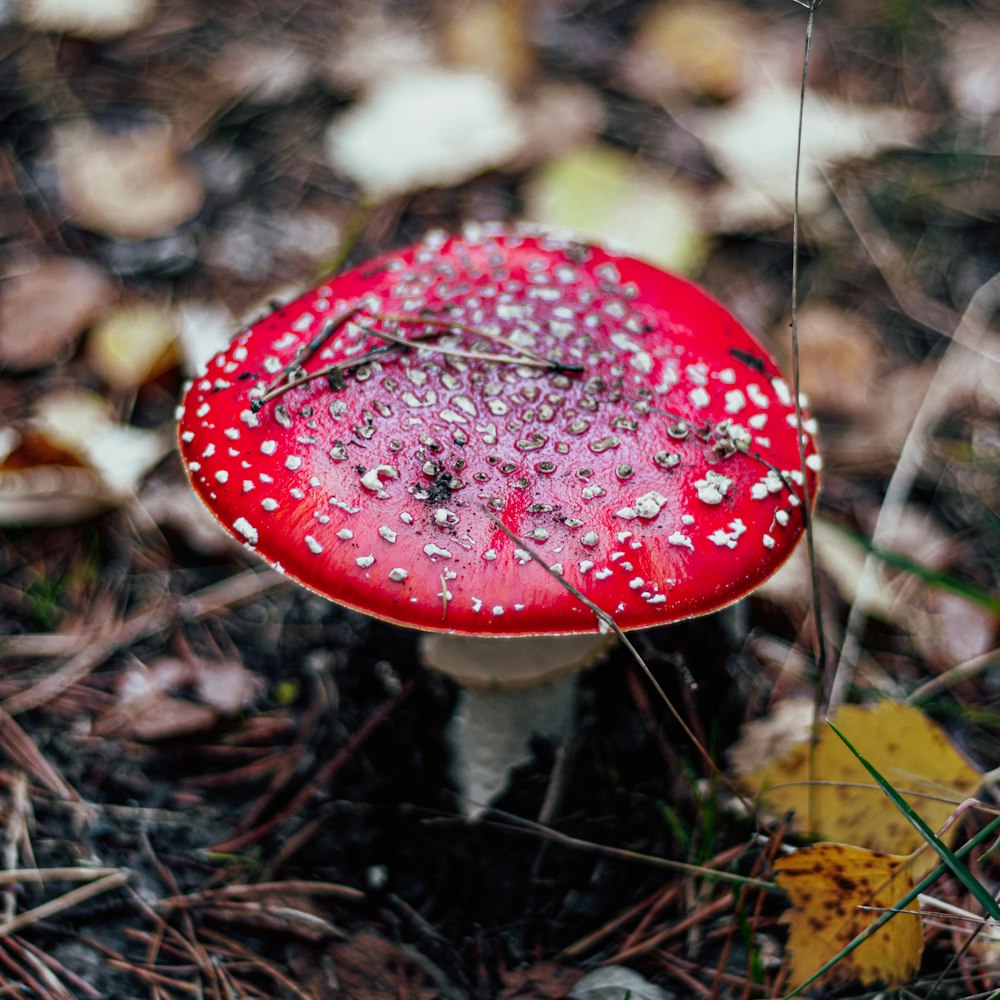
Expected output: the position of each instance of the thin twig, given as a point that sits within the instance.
(819, 637)
(65, 902)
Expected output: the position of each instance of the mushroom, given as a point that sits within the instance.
(384, 438)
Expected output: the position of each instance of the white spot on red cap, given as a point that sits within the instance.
(246, 529)
(713, 488)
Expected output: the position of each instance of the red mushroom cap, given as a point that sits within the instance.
(632, 434)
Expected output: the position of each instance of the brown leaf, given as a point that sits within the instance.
(46, 306)
(131, 186)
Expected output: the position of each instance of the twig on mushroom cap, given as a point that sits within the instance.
(530, 359)
(552, 363)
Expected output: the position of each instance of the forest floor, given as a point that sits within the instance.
(215, 784)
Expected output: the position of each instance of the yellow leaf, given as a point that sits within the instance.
(603, 194)
(132, 344)
(836, 892)
(834, 798)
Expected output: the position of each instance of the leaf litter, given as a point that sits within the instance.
(311, 744)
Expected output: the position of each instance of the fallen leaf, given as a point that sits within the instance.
(46, 304)
(93, 19)
(840, 360)
(424, 128)
(152, 706)
(601, 193)
(972, 68)
(492, 37)
(43, 483)
(698, 48)
(834, 798)
(133, 185)
(837, 891)
(753, 143)
(132, 344)
(81, 422)
(612, 982)
(71, 460)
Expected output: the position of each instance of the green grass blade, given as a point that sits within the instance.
(932, 577)
(922, 886)
(959, 870)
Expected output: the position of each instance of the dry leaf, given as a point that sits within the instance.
(839, 357)
(129, 186)
(972, 67)
(694, 47)
(132, 344)
(81, 422)
(424, 128)
(45, 307)
(43, 483)
(94, 19)
(602, 194)
(612, 982)
(753, 142)
(829, 884)
(71, 460)
(490, 36)
(151, 705)
(835, 798)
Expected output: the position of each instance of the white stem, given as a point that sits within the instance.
(491, 733)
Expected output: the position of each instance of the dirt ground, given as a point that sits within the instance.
(245, 789)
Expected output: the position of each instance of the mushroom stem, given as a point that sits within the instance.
(513, 690)
(491, 733)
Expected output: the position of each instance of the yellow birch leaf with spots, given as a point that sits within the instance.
(836, 892)
(834, 798)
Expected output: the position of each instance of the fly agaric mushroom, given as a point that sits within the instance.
(385, 437)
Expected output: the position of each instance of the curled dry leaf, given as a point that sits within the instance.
(71, 460)
(834, 797)
(425, 128)
(43, 483)
(130, 186)
(837, 891)
(152, 703)
(46, 304)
